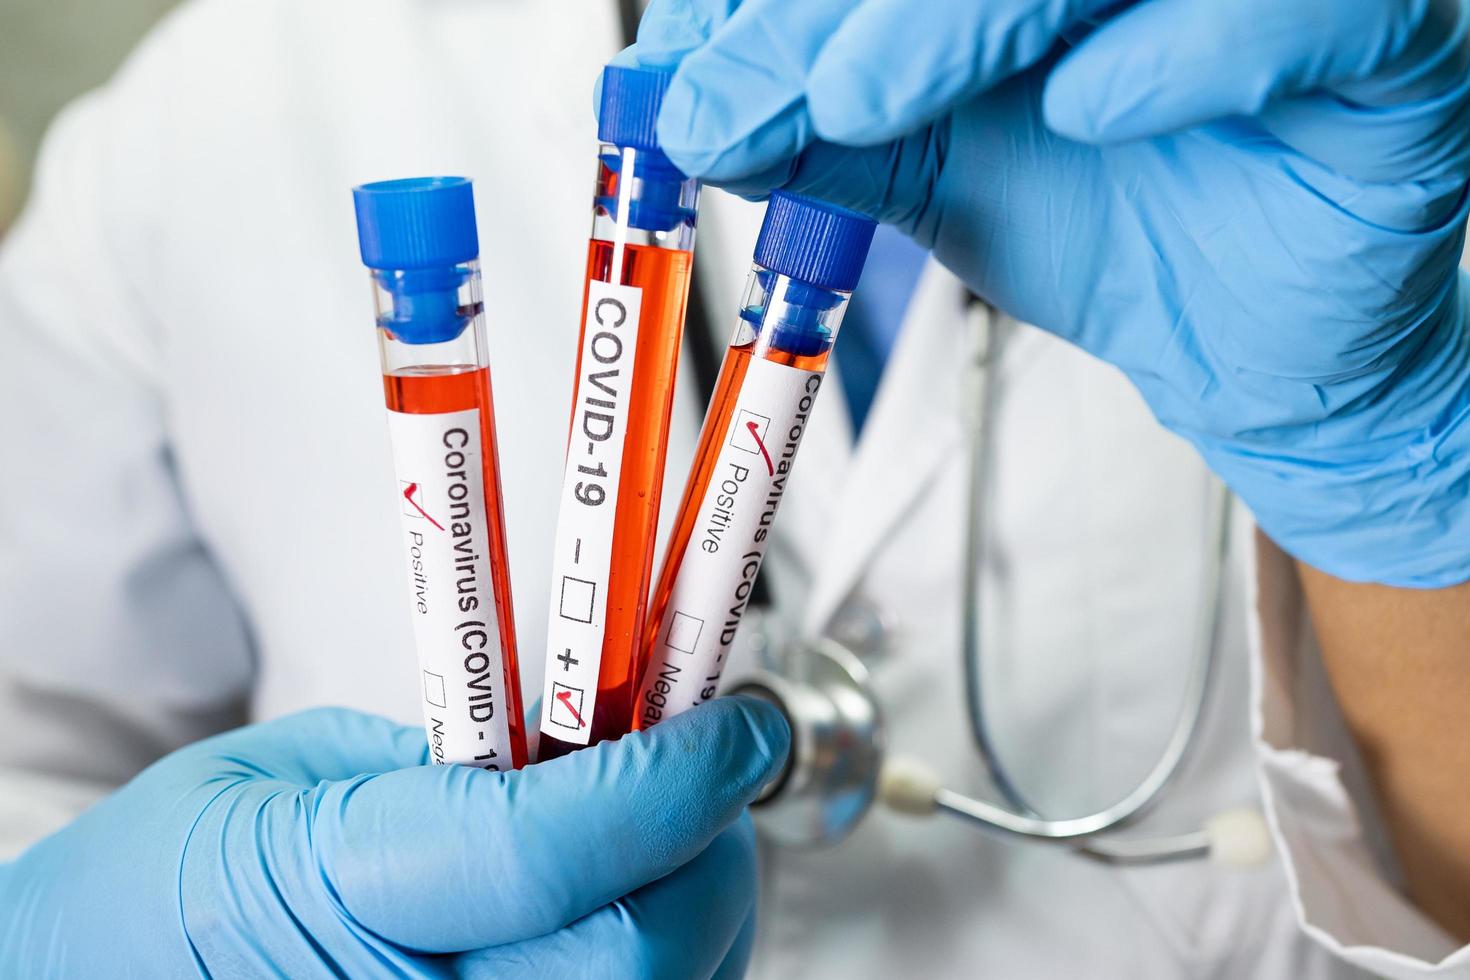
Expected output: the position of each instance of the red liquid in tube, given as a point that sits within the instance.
(661, 276)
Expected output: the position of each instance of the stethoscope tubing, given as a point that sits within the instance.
(1021, 819)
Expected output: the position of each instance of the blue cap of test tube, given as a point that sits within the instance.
(627, 117)
(821, 248)
(416, 235)
(818, 243)
(631, 98)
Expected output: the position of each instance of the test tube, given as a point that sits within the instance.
(419, 242)
(807, 260)
(637, 286)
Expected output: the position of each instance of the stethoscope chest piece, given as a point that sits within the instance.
(831, 778)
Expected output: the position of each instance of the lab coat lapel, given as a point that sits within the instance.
(913, 429)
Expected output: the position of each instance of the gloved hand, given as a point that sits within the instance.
(321, 845)
(1254, 208)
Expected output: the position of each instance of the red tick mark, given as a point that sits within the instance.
(408, 493)
(565, 697)
(756, 435)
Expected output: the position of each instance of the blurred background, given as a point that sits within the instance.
(50, 52)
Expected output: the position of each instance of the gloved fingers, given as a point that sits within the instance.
(311, 746)
(670, 29)
(892, 183)
(1428, 142)
(893, 65)
(1394, 68)
(626, 58)
(737, 104)
(992, 157)
(449, 858)
(683, 925)
(775, 75)
(1167, 65)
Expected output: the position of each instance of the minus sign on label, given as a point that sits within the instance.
(577, 552)
(482, 736)
(589, 449)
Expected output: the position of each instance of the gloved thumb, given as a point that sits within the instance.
(448, 858)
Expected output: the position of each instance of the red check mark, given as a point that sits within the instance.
(756, 435)
(565, 697)
(408, 493)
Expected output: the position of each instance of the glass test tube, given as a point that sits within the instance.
(638, 267)
(807, 260)
(418, 239)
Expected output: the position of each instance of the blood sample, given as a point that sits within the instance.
(807, 260)
(419, 241)
(637, 285)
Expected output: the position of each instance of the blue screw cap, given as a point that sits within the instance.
(418, 223)
(631, 98)
(814, 242)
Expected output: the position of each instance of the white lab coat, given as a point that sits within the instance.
(197, 521)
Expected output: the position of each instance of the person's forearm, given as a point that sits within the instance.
(1399, 660)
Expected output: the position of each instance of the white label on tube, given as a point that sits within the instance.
(582, 556)
(723, 556)
(446, 540)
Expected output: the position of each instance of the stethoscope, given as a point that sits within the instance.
(838, 767)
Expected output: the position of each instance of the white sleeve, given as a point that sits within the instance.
(119, 639)
(1319, 803)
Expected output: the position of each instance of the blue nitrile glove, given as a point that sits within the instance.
(1254, 208)
(304, 847)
